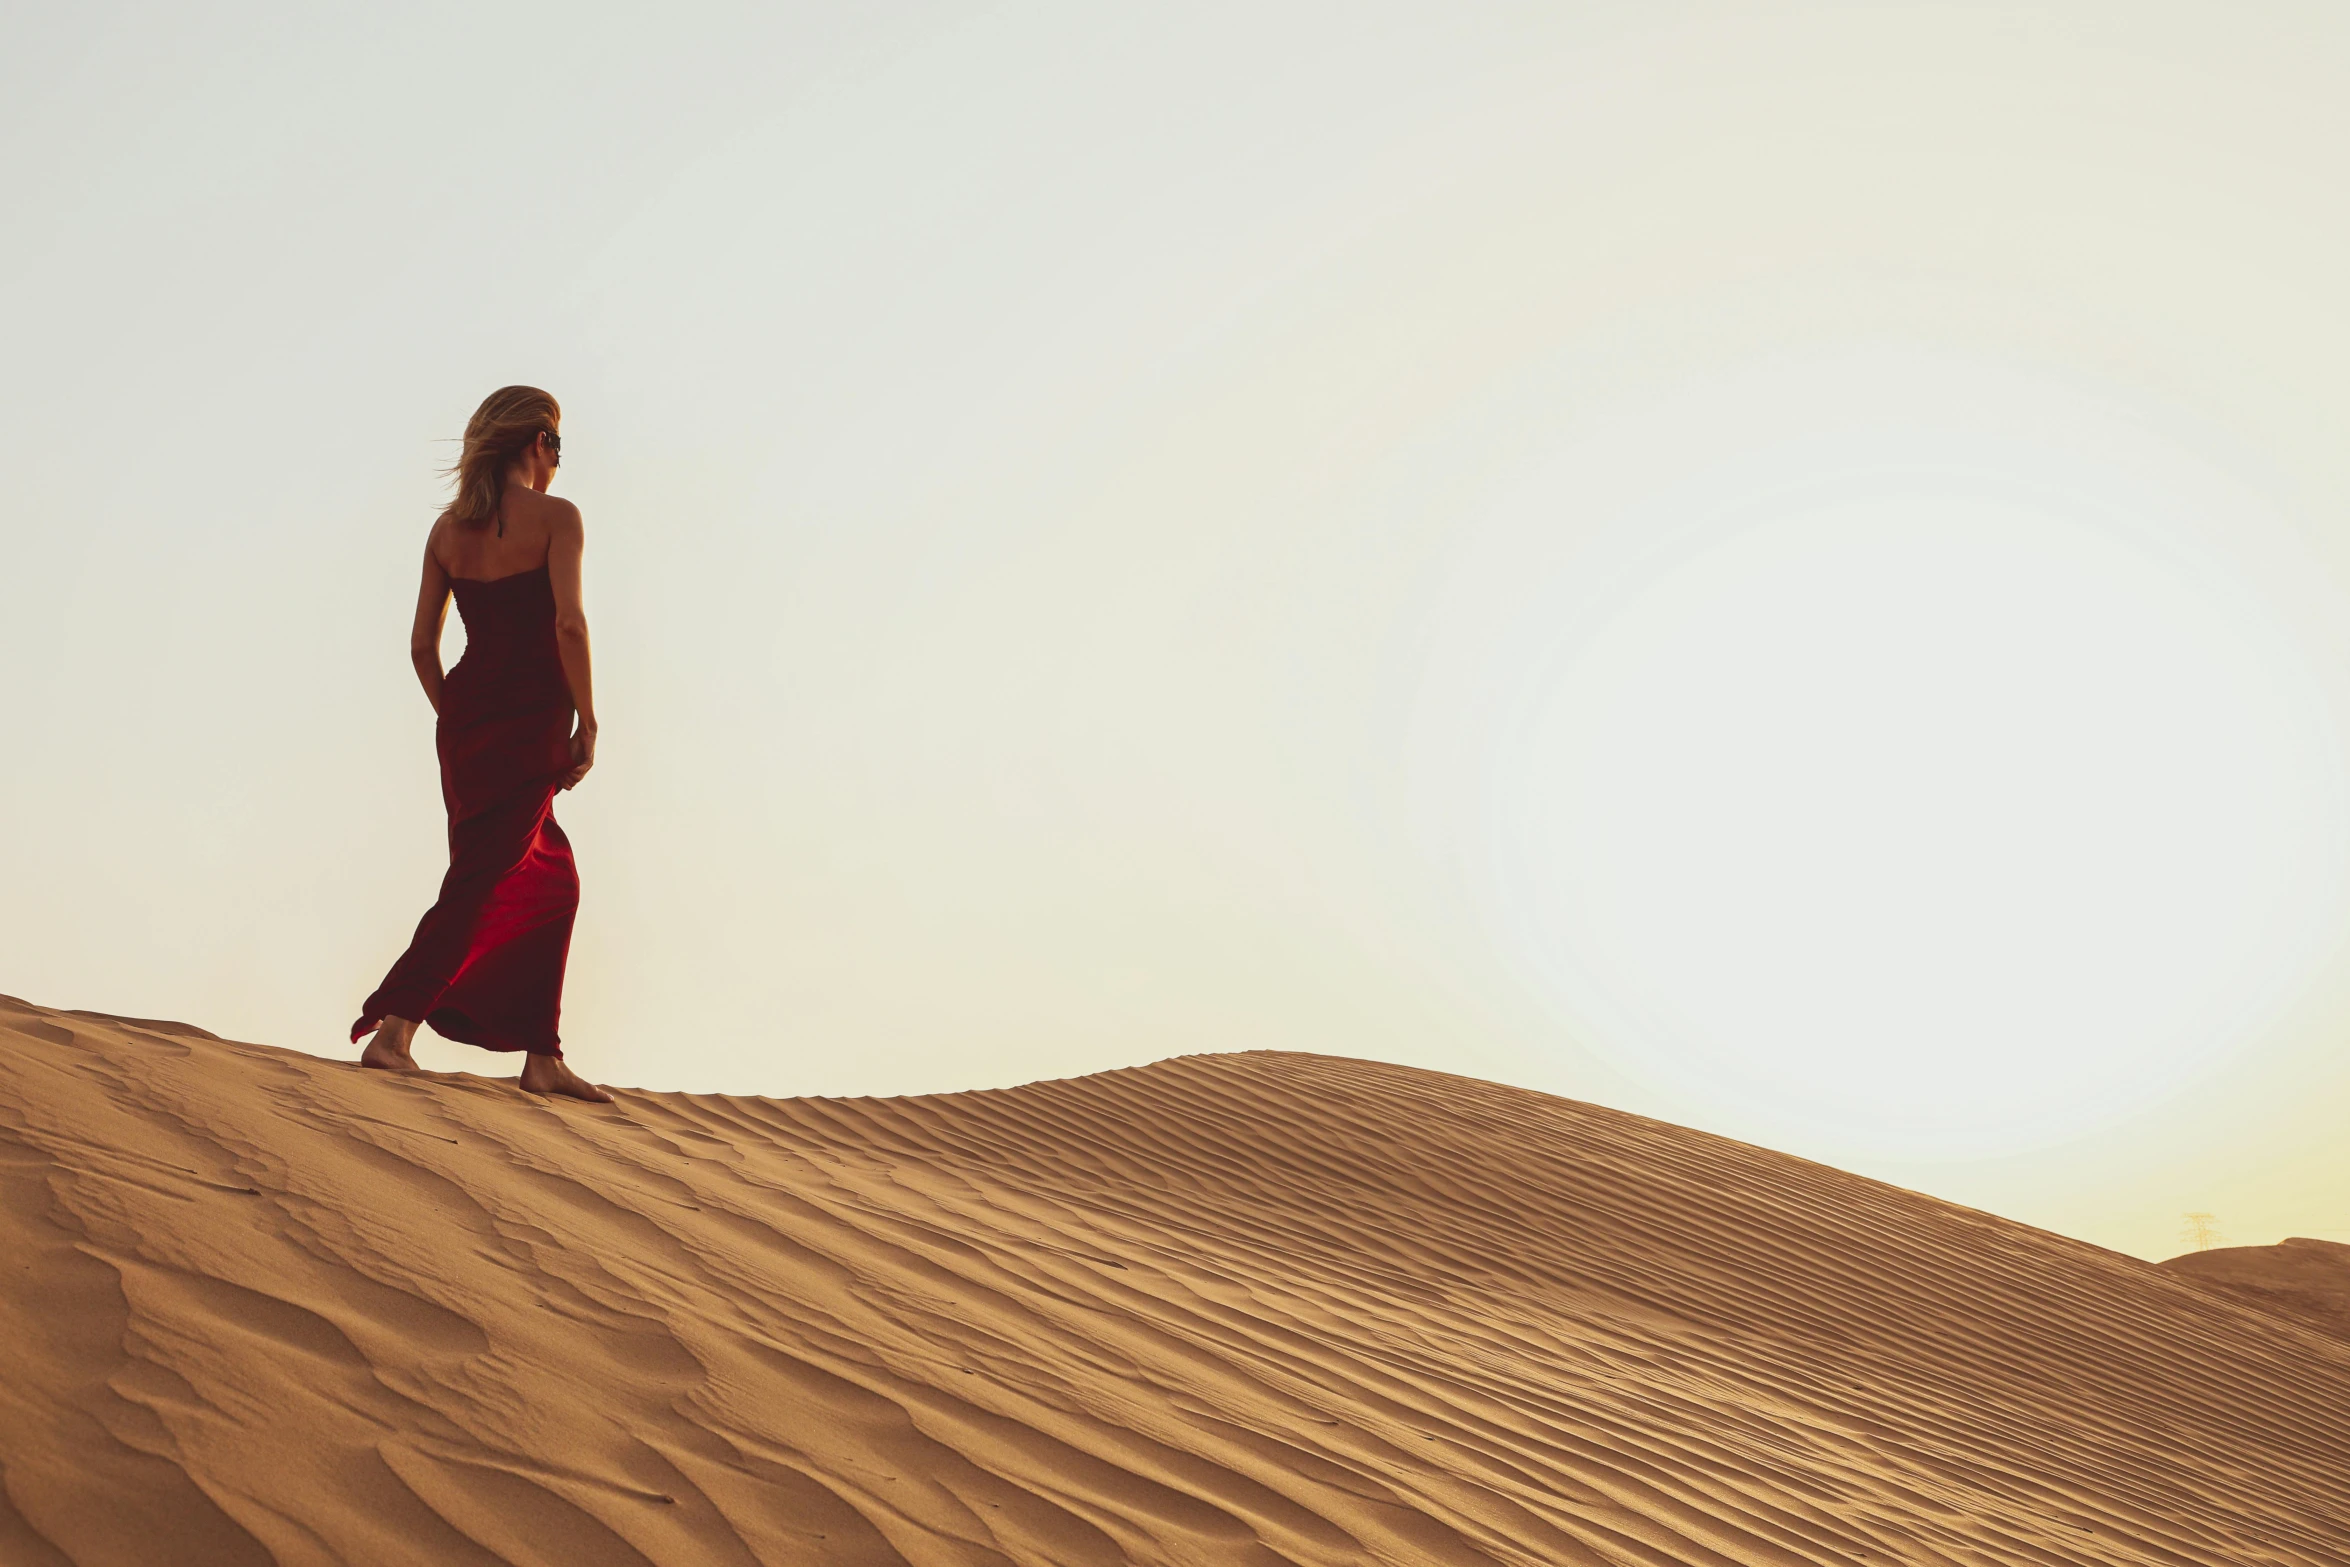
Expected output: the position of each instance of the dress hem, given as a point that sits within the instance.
(455, 1026)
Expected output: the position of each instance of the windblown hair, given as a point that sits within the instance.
(497, 435)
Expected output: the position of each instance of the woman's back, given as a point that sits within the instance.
(510, 643)
(486, 553)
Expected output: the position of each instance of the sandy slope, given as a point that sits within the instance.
(2303, 1279)
(1230, 1309)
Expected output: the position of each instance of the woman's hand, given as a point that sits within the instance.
(583, 753)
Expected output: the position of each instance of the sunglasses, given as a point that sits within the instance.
(554, 444)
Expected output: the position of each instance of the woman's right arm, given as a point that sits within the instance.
(566, 542)
(424, 637)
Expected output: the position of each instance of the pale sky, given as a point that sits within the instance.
(1781, 567)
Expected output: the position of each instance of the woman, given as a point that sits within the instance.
(486, 966)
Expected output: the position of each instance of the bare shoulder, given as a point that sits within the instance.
(558, 516)
(436, 541)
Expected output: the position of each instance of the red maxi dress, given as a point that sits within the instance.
(486, 965)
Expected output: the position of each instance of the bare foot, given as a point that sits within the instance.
(387, 1049)
(551, 1076)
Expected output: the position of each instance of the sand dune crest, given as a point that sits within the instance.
(1248, 1309)
(2303, 1280)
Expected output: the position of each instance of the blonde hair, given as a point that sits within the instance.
(505, 426)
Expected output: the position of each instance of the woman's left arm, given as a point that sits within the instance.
(424, 637)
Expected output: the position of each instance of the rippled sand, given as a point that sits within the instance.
(2303, 1279)
(1257, 1308)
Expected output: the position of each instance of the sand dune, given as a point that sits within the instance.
(2305, 1280)
(1246, 1309)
